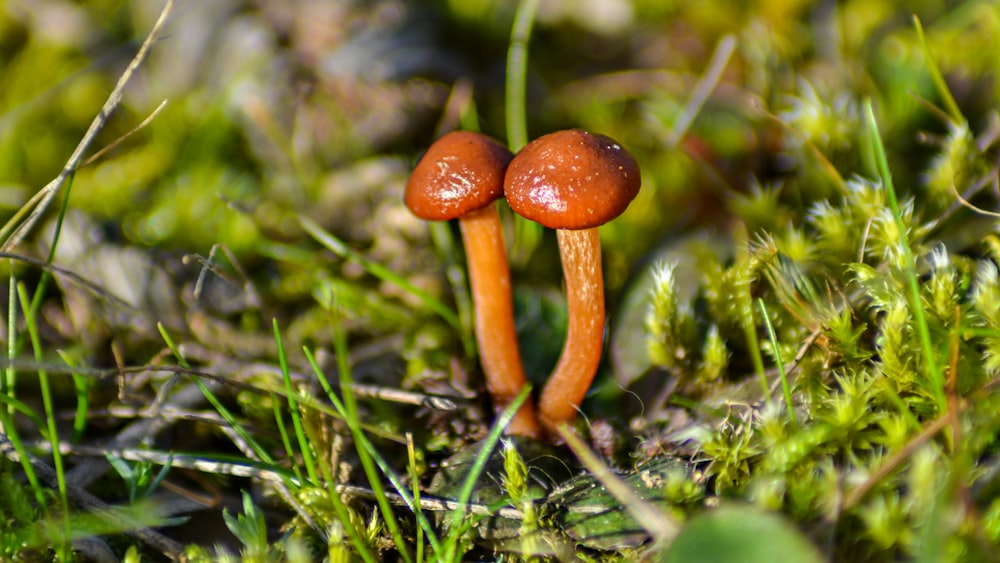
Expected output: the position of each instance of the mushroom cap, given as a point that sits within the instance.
(460, 173)
(571, 180)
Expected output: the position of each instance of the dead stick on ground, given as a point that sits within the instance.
(40, 202)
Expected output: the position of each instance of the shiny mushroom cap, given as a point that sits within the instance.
(461, 173)
(571, 180)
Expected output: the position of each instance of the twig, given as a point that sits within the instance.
(250, 470)
(224, 373)
(896, 460)
(40, 202)
(706, 84)
(94, 157)
(660, 525)
(962, 201)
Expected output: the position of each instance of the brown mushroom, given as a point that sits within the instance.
(573, 181)
(460, 177)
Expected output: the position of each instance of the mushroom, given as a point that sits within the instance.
(573, 181)
(460, 176)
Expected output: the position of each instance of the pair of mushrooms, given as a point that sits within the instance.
(572, 181)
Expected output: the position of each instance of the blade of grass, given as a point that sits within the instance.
(352, 419)
(517, 67)
(476, 469)
(16, 405)
(286, 441)
(81, 384)
(343, 514)
(224, 412)
(441, 236)
(745, 308)
(936, 77)
(8, 432)
(659, 524)
(527, 234)
(293, 408)
(43, 281)
(9, 382)
(51, 431)
(338, 247)
(936, 379)
(720, 58)
(11, 440)
(397, 483)
(469, 115)
(411, 466)
(778, 359)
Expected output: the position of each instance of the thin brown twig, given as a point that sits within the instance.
(890, 465)
(95, 289)
(966, 203)
(660, 525)
(97, 155)
(260, 471)
(224, 374)
(15, 230)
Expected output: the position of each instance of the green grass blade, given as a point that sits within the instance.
(939, 83)
(8, 432)
(224, 412)
(778, 359)
(476, 469)
(293, 408)
(43, 281)
(51, 431)
(16, 405)
(517, 67)
(338, 247)
(745, 308)
(410, 500)
(441, 236)
(9, 381)
(352, 419)
(909, 263)
(286, 441)
(411, 465)
(527, 234)
(343, 514)
(81, 384)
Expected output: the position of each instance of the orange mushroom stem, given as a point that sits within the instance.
(573, 181)
(460, 177)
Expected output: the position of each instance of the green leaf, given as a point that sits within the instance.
(740, 534)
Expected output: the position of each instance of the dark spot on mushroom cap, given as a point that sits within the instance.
(571, 180)
(460, 173)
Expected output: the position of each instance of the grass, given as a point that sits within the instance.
(805, 298)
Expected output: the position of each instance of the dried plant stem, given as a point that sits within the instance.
(15, 230)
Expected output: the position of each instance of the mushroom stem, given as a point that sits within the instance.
(489, 277)
(581, 260)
